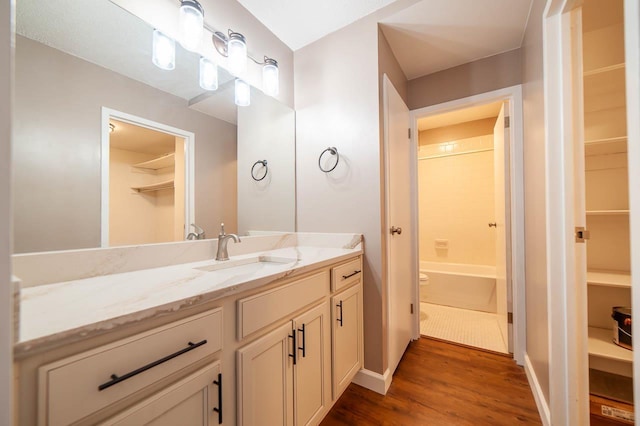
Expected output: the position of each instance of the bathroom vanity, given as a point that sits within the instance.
(271, 336)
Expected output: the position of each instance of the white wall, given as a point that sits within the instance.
(266, 131)
(6, 325)
(337, 104)
(535, 206)
(456, 203)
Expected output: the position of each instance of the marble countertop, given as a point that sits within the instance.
(85, 307)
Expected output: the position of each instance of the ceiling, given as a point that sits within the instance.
(429, 36)
(301, 22)
(460, 116)
(134, 138)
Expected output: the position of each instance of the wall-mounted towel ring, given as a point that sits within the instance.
(333, 151)
(254, 173)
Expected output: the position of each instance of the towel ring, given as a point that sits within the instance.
(253, 172)
(334, 151)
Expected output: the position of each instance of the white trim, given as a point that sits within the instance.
(566, 302)
(189, 150)
(632, 61)
(374, 381)
(541, 402)
(514, 95)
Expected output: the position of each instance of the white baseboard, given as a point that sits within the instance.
(541, 402)
(374, 381)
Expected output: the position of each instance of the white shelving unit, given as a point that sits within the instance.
(167, 184)
(168, 160)
(606, 187)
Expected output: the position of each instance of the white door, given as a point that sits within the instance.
(398, 209)
(502, 225)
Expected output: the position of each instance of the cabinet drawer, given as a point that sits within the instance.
(265, 308)
(75, 387)
(346, 274)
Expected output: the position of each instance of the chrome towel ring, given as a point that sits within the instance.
(333, 151)
(254, 173)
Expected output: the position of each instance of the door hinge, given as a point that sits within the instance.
(409, 132)
(507, 122)
(582, 234)
(412, 308)
(509, 317)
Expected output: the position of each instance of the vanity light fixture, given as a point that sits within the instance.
(191, 24)
(164, 51)
(237, 53)
(270, 81)
(242, 93)
(208, 74)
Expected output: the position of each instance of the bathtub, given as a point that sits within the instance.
(459, 285)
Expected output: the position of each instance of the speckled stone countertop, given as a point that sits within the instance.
(53, 313)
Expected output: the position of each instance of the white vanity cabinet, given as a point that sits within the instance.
(347, 339)
(284, 377)
(193, 401)
(78, 386)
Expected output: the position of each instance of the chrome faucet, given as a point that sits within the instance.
(198, 235)
(223, 240)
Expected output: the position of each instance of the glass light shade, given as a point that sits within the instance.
(191, 24)
(164, 51)
(237, 53)
(243, 93)
(270, 82)
(208, 74)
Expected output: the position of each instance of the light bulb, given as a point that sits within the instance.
(243, 93)
(237, 53)
(191, 24)
(270, 83)
(208, 74)
(164, 51)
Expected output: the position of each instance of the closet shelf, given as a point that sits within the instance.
(607, 212)
(609, 279)
(606, 140)
(602, 70)
(168, 160)
(601, 345)
(168, 184)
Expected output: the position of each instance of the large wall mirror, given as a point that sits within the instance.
(84, 73)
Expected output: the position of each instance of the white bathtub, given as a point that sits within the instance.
(459, 285)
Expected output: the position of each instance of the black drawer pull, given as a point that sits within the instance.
(304, 342)
(295, 347)
(218, 409)
(339, 305)
(115, 379)
(344, 277)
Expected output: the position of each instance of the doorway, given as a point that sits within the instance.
(455, 182)
(463, 234)
(147, 181)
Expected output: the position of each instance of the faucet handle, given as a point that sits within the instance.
(222, 233)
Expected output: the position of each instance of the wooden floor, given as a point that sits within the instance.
(438, 383)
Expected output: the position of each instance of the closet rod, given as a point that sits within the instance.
(451, 154)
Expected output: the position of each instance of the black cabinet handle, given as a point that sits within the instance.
(218, 409)
(339, 305)
(295, 351)
(304, 341)
(344, 277)
(115, 379)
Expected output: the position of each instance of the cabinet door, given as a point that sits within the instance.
(312, 378)
(190, 402)
(347, 337)
(265, 379)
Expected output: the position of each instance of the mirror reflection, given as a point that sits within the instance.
(74, 77)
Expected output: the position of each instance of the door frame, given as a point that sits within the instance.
(189, 159)
(513, 94)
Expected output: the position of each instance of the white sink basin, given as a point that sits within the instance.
(255, 261)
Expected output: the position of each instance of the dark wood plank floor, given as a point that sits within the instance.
(438, 383)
